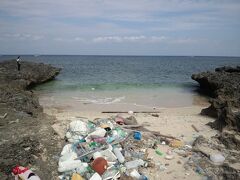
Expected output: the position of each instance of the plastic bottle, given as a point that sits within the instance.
(143, 177)
(134, 164)
(99, 132)
(119, 155)
(110, 139)
(100, 140)
(82, 169)
(69, 165)
(135, 174)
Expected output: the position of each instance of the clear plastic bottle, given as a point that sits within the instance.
(119, 155)
(82, 169)
(134, 164)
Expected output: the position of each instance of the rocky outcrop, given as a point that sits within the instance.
(26, 135)
(223, 86)
(14, 83)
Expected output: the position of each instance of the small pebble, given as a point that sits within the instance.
(179, 162)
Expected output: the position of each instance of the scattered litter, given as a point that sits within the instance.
(96, 176)
(159, 152)
(76, 176)
(169, 157)
(176, 143)
(110, 148)
(22, 173)
(134, 164)
(137, 135)
(99, 165)
(3, 116)
(155, 115)
(119, 155)
(217, 158)
(12, 122)
(161, 167)
(194, 127)
(188, 146)
(130, 112)
(163, 143)
(135, 174)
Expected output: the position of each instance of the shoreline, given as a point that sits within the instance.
(122, 100)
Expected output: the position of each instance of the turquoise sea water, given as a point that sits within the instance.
(151, 80)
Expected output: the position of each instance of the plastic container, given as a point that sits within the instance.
(99, 165)
(159, 152)
(143, 177)
(135, 174)
(82, 169)
(100, 132)
(69, 165)
(101, 140)
(67, 149)
(110, 139)
(96, 176)
(68, 157)
(97, 155)
(134, 164)
(21, 172)
(217, 158)
(119, 155)
(76, 176)
(137, 135)
(108, 155)
(78, 127)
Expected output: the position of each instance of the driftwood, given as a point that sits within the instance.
(109, 112)
(5, 115)
(133, 126)
(162, 135)
(194, 127)
(155, 133)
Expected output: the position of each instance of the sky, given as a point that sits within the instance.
(120, 27)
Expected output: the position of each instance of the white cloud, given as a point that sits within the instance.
(78, 39)
(158, 38)
(18, 36)
(69, 39)
(145, 39)
(107, 39)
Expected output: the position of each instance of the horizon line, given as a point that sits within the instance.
(120, 55)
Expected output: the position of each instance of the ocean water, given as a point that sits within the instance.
(147, 81)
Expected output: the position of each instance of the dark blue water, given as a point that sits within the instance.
(117, 72)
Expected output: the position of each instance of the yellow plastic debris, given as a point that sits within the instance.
(76, 176)
(176, 143)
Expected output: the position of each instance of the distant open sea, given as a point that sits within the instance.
(145, 80)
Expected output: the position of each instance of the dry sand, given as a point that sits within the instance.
(176, 122)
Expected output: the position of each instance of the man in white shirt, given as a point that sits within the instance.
(18, 63)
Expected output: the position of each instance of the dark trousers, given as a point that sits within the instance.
(18, 66)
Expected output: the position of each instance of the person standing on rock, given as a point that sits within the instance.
(18, 63)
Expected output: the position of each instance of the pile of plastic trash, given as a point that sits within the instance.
(102, 150)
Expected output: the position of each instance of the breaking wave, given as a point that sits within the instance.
(106, 100)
